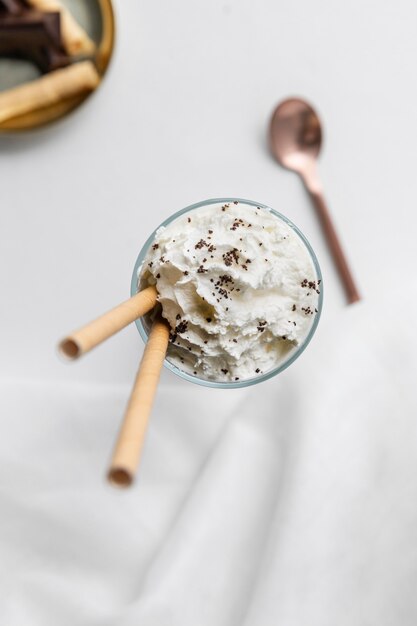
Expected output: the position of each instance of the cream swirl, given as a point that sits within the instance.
(238, 287)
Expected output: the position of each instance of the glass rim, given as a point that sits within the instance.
(256, 379)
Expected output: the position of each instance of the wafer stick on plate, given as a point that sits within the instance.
(97, 331)
(130, 441)
(50, 89)
(74, 38)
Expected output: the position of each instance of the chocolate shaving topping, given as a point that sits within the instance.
(181, 327)
(231, 256)
(311, 284)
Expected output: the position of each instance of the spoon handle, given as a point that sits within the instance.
(335, 247)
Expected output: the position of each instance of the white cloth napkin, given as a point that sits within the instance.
(292, 502)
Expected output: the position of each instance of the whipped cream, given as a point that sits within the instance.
(238, 287)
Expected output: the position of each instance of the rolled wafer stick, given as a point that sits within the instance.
(89, 336)
(130, 441)
(48, 90)
(74, 38)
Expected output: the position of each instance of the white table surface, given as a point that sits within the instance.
(289, 503)
(182, 116)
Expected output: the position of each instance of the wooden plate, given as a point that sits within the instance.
(97, 18)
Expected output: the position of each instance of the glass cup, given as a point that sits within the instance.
(293, 354)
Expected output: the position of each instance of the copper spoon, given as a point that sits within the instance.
(295, 139)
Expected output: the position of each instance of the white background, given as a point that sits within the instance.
(182, 116)
(292, 502)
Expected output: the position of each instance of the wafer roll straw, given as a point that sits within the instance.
(89, 336)
(48, 90)
(129, 444)
(74, 38)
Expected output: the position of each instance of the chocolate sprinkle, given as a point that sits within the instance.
(230, 256)
(181, 327)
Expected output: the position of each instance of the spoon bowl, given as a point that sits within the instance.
(295, 134)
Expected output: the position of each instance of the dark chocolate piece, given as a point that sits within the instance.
(11, 6)
(32, 35)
